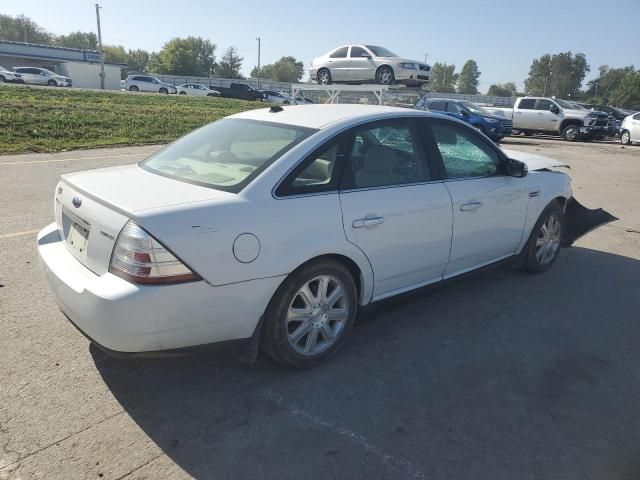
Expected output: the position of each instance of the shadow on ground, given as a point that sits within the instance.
(501, 375)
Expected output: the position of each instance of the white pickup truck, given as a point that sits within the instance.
(552, 116)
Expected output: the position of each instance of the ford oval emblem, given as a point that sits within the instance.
(77, 201)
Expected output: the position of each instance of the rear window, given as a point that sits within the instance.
(227, 154)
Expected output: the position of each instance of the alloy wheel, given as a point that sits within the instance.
(323, 77)
(317, 315)
(625, 138)
(548, 241)
(385, 76)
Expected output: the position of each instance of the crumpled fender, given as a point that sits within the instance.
(580, 220)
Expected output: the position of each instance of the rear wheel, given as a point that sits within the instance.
(133, 88)
(324, 77)
(311, 315)
(2, 79)
(546, 237)
(625, 137)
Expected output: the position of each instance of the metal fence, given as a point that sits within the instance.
(265, 84)
(488, 100)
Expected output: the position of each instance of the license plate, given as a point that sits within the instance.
(78, 238)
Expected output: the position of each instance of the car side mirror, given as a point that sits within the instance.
(516, 168)
(464, 113)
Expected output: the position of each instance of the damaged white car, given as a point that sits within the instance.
(272, 228)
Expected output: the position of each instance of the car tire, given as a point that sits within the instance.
(625, 137)
(385, 76)
(183, 93)
(324, 76)
(545, 240)
(133, 88)
(163, 90)
(2, 79)
(305, 332)
(52, 83)
(286, 102)
(571, 132)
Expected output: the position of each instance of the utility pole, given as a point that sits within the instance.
(100, 47)
(425, 57)
(546, 79)
(258, 39)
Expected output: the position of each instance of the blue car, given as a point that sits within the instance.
(493, 126)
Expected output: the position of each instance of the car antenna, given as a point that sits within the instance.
(276, 109)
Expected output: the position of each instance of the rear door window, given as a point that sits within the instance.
(340, 53)
(527, 104)
(437, 105)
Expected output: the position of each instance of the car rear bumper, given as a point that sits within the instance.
(125, 318)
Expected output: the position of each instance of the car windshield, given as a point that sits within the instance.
(564, 104)
(381, 51)
(473, 108)
(227, 154)
(577, 106)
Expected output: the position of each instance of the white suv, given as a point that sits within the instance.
(42, 76)
(146, 83)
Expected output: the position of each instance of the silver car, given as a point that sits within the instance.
(42, 76)
(197, 90)
(147, 83)
(9, 76)
(367, 63)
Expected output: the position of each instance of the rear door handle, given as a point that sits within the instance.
(470, 206)
(368, 221)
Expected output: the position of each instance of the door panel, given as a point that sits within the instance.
(545, 119)
(360, 68)
(489, 208)
(488, 217)
(405, 232)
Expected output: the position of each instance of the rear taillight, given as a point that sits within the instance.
(140, 258)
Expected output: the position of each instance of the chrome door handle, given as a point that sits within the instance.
(470, 207)
(367, 221)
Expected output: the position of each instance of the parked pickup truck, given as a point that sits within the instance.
(552, 116)
(241, 91)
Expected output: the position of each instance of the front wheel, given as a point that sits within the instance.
(625, 138)
(571, 133)
(52, 83)
(385, 76)
(546, 237)
(324, 77)
(183, 93)
(311, 315)
(164, 90)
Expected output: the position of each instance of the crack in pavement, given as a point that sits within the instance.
(41, 449)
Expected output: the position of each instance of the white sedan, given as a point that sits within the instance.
(197, 90)
(273, 227)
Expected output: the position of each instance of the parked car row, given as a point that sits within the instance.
(34, 76)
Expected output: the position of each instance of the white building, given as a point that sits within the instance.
(82, 66)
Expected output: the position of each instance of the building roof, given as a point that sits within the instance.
(10, 48)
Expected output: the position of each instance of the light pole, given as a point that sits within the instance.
(100, 47)
(546, 79)
(425, 57)
(258, 39)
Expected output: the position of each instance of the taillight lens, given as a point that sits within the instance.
(140, 258)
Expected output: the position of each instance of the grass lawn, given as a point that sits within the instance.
(36, 119)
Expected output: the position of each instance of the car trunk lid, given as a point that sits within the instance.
(92, 207)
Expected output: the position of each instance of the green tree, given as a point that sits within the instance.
(468, 78)
(503, 89)
(562, 74)
(194, 56)
(443, 78)
(230, 64)
(608, 82)
(287, 69)
(114, 54)
(23, 29)
(83, 40)
(627, 95)
(138, 60)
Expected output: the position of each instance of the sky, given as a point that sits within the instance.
(502, 36)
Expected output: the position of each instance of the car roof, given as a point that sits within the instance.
(319, 116)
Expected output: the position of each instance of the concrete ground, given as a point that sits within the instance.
(501, 375)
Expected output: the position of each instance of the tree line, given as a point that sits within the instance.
(189, 56)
